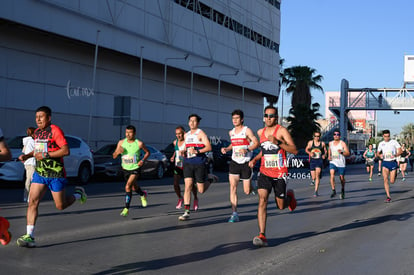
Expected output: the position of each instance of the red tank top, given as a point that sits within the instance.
(273, 161)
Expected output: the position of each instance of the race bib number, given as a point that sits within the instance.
(388, 155)
(127, 159)
(40, 146)
(239, 152)
(179, 161)
(273, 161)
(402, 158)
(335, 155)
(189, 154)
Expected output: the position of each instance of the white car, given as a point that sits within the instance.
(78, 164)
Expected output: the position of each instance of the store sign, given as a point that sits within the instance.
(78, 91)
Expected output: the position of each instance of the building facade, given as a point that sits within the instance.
(103, 64)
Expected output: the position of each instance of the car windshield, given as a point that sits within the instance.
(106, 150)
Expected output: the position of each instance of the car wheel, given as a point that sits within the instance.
(160, 171)
(84, 173)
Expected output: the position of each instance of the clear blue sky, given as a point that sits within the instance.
(363, 41)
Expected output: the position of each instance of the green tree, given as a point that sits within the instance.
(302, 123)
(299, 80)
(408, 133)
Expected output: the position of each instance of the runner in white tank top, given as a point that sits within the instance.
(338, 150)
(243, 142)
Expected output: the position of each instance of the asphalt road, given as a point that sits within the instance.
(358, 235)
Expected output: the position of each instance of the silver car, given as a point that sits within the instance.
(78, 164)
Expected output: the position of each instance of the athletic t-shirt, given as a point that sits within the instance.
(338, 159)
(178, 157)
(388, 149)
(131, 155)
(191, 140)
(239, 142)
(48, 140)
(273, 162)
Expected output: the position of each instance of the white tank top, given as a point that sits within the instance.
(337, 158)
(239, 141)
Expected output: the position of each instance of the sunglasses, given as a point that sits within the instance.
(316, 136)
(336, 134)
(270, 115)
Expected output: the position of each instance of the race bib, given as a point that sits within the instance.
(179, 161)
(189, 154)
(402, 158)
(273, 161)
(239, 152)
(127, 159)
(40, 146)
(388, 155)
(335, 155)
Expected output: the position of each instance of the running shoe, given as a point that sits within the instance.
(26, 241)
(315, 194)
(79, 190)
(370, 179)
(388, 199)
(234, 218)
(260, 240)
(403, 179)
(179, 204)
(379, 174)
(124, 212)
(312, 183)
(212, 178)
(195, 205)
(185, 216)
(144, 201)
(333, 194)
(292, 205)
(342, 195)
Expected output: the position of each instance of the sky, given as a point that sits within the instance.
(363, 41)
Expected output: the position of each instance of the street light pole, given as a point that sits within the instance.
(164, 99)
(192, 81)
(247, 81)
(219, 92)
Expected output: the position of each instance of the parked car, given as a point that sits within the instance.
(218, 160)
(155, 166)
(351, 158)
(78, 164)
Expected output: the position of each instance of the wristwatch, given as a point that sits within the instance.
(47, 155)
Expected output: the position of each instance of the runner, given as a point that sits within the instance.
(49, 149)
(30, 163)
(243, 142)
(195, 170)
(388, 150)
(403, 160)
(177, 158)
(338, 150)
(317, 153)
(369, 156)
(129, 148)
(275, 141)
(5, 154)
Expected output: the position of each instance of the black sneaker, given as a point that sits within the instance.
(342, 195)
(333, 194)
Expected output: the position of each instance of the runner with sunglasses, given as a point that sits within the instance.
(317, 153)
(338, 150)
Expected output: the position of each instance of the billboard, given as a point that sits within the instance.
(409, 69)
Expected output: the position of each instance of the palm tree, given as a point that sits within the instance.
(302, 123)
(299, 80)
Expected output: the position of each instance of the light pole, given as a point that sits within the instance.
(247, 81)
(93, 84)
(164, 100)
(219, 92)
(192, 81)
